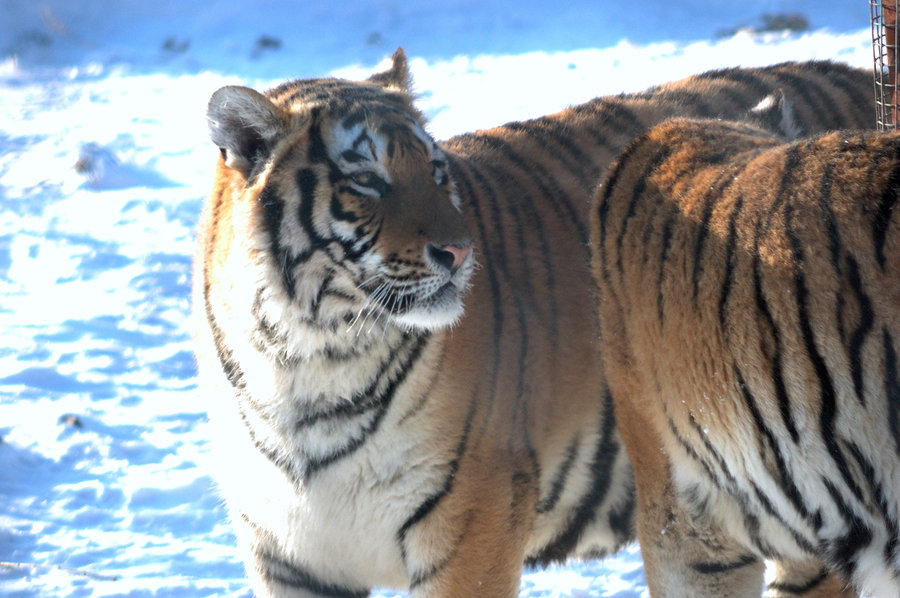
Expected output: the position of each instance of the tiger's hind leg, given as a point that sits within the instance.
(684, 558)
(807, 579)
(685, 555)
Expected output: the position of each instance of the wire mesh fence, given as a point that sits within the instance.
(884, 47)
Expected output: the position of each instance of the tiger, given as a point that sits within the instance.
(749, 306)
(397, 338)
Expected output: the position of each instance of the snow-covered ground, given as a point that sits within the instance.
(104, 163)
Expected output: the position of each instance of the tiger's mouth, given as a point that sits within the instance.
(440, 308)
(429, 304)
(420, 306)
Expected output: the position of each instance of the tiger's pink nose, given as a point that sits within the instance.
(459, 254)
(449, 256)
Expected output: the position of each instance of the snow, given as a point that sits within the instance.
(104, 166)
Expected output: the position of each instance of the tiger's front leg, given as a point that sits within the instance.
(477, 560)
(275, 574)
(471, 542)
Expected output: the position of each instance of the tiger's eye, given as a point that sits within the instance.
(366, 178)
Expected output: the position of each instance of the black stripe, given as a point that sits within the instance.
(621, 518)
(278, 570)
(692, 453)
(430, 503)
(364, 240)
(558, 482)
(719, 568)
(232, 371)
(866, 321)
(273, 214)
(892, 387)
(710, 200)
(743, 500)
(730, 263)
(547, 184)
(781, 395)
(520, 415)
(799, 589)
(637, 195)
(230, 367)
(360, 402)
(842, 551)
(269, 339)
(808, 545)
(527, 223)
(834, 250)
(666, 242)
(870, 475)
(496, 265)
(784, 403)
(831, 229)
(750, 520)
(826, 392)
(745, 78)
(612, 117)
(279, 460)
(426, 394)
(546, 131)
(849, 82)
(321, 293)
(472, 200)
(337, 210)
(383, 401)
(307, 180)
(499, 261)
(601, 468)
(609, 186)
(785, 480)
(884, 212)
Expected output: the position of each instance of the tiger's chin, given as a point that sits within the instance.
(441, 309)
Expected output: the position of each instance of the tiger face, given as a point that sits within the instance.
(351, 203)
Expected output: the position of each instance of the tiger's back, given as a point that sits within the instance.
(370, 430)
(750, 307)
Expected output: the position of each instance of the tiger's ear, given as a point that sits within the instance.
(775, 113)
(245, 125)
(397, 76)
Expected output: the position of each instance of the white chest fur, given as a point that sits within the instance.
(314, 453)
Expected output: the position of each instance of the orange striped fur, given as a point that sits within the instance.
(749, 295)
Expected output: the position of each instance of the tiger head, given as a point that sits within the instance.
(352, 209)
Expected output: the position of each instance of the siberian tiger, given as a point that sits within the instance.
(372, 432)
(749, 295)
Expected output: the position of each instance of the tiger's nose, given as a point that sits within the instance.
(449, 256)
